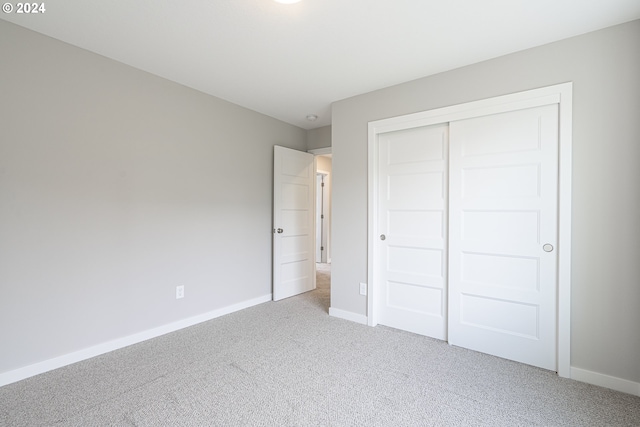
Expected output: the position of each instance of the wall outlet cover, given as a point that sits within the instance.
(363, 288)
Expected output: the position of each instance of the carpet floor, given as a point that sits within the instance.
(289, 363)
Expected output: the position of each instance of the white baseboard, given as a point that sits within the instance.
(87, 353)
(347, 315)
(16, 375)
(607, 381)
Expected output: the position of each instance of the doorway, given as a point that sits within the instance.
(294, 221)
(323, 160)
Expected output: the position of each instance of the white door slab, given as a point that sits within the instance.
(293, 222)
(412, 224)
(503, 235)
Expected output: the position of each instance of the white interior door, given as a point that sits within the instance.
(503, 235)
(412, 226)
(293, 222)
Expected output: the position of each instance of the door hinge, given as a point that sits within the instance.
(322, 248)
(321, 216)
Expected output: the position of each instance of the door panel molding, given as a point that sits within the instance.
(558, 94)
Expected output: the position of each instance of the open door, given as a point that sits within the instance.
(293, 222)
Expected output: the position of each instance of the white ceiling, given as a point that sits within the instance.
(288, 61)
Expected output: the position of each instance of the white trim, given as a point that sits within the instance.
(347, 315)
(500, 104)
(372, 221)
(564, 228)
(87, 353)
(320, 151)
(558, 94)
(607, 381)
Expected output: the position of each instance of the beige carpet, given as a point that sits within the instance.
(290, 364)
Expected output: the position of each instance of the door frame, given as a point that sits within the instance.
(560, 94)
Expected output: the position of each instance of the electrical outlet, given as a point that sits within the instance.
(363, 288)
(179, 291)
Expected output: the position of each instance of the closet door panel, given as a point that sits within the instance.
(503, 233)
(412, 221)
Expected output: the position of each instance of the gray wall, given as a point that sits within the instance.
(116, 186)
(319, 138)
(605, 68)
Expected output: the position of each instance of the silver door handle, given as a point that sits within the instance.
(547, 248)
(383, 237)
(280, 230)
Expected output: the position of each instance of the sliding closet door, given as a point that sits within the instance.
(503, 235)
(412, 226)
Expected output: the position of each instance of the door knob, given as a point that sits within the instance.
(547, 247)
(280, 230)
(383, 237)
